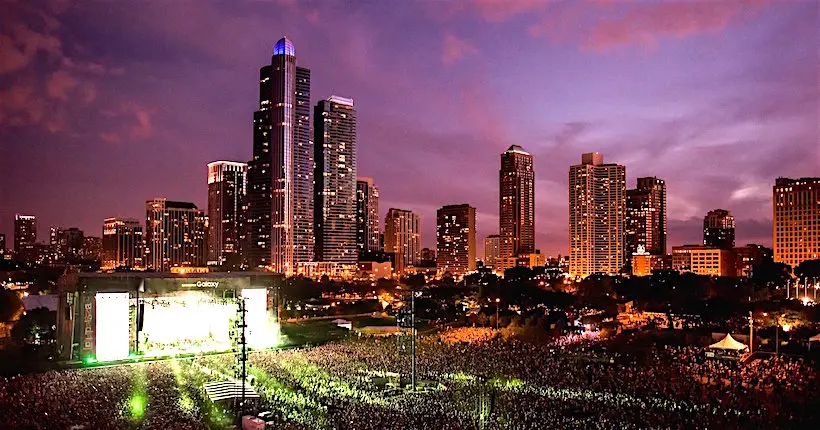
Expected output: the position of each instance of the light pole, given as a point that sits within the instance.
(497, 300)
(751, 333)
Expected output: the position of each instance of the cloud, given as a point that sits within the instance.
(19, 45)
(59, 84)
(455, 50)
(646, 23)
(501, 10)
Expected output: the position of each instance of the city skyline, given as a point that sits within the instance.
(709, 160)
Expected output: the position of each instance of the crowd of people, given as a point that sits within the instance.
(469, 380)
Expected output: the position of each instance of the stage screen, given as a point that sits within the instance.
(185, 323)
(112, 326)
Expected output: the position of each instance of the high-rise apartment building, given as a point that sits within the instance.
(646, 223)
(334, 217)
(227, 186)
(402, 238)
(92, 248)
(719, 229)
(796, 229)
(175, 235)
(123, 244)
(517, 202)
(65, 243)
(492, 249)
(455, 239)
(367, 216)
(597, 216)
(280, 176)
(25, 236)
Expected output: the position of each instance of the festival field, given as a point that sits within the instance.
(474, 380)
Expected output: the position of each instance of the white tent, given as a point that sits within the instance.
(729, 343)
(815, 338)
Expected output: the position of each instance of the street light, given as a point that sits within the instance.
(497, 300)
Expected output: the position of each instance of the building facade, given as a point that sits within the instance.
(646, 223)
(492, 249)
(749, 256)
(334, 216)
(227, 187)
(455, 239)
(175, 235)
(280, 175)
(796, 229)
(123, 244)
(516, 202)
(2, 244)
(367, 216)
(703, 260)
(402, 238)
(719, 229)
(65, 243)
(25, 236)
(597, 216)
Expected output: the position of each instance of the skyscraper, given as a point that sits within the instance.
(492, 249)
(25, 235)
(334, 216)
(65, 243)
(516, 202)
(455, 238)
(796, 229)
(646, 217)
(280, 176)
(402, 237)
(597, 201)
(227, 185)
(174, 235)
(123, 244)
(367, 216)
(2, 244)
(719, 229)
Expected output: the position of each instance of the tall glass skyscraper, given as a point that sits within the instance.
(597, 214)
(335, 198)
(227, 185)
(516, 203)
(280, 176)
(646, 217)
(367, 216)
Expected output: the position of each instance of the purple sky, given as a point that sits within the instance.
(106, 104)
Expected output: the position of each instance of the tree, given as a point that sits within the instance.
(808, 269)
(10, 305)
(36, 327)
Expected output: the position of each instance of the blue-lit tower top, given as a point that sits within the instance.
(284, 47)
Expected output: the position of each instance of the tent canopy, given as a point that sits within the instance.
(815, 338)
(729, 343)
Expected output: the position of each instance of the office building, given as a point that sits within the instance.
(92, 248)
(719, 229)
(703, 260)
(334, 216)
(492, 249)
(123, 244)
(65, 243)
(643, 263)
(428, 257)
(646, 223)
(455, 239)
(796, 229)
(367, 217)
(402, 238)
(2, 244)
(280, 175)
(749, 256)
(516, 202)
(597, 216)
(227, 186)
(25, 236)
(174, 235)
